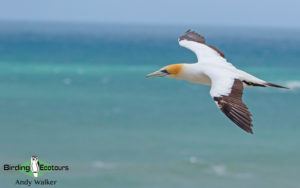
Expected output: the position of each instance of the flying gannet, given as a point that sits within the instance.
(227, 82)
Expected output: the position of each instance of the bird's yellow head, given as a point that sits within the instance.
(168, 71)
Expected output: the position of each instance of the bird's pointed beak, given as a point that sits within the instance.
(156, 74)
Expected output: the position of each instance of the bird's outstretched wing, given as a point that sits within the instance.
(227, 93)
(204, 52)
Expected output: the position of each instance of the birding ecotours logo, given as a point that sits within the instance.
(35, 167)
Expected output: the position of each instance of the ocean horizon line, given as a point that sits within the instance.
(144, 29)
(140, 24)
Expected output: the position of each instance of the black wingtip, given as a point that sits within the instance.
(192, 36)
(250, 131)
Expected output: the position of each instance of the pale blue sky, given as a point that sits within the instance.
(197, 12)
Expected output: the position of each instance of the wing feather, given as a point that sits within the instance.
(204, 52)
(232, 106)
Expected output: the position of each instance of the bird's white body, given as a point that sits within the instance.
(202, 73)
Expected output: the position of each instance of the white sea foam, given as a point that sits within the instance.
(222, 170)
(103, 165)
(196, 160)
(193, 159)
(219, 170)
(293, 84)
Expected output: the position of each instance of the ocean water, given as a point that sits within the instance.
(77, 95)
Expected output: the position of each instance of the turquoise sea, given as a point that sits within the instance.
(76, 95)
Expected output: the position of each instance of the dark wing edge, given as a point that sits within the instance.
(234, 108)
(193, 36)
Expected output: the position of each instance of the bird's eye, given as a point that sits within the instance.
(164, 71)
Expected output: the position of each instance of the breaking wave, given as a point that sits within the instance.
(293, 84)
(221, 170)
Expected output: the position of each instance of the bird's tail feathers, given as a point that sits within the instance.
(275, 85)
(250, 80)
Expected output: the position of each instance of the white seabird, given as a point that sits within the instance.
(227, 82)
